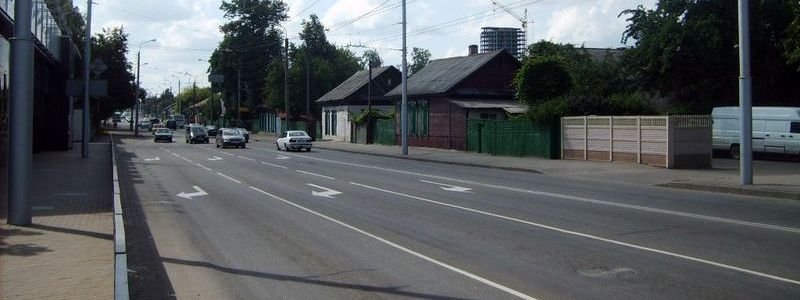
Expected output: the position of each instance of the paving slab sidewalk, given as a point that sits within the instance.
(68, 252)
(777, 179)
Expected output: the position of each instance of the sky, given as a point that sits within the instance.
(187, 31)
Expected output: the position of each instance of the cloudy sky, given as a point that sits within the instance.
(187, 31)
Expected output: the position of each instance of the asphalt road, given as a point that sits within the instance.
(258, 223)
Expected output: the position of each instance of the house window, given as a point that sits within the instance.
(418, 113)
(326, 119)
(333, 122)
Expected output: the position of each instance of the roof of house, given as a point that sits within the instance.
(353, 84)
(512, 107)
(441, 75)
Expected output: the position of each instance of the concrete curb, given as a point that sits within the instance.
(731, 190)
(120, 249)
(437, 161)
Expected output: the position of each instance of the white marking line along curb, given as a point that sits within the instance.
(401, 248)
(229, 178)
(573, 198)
(314, 174)
(570, 232)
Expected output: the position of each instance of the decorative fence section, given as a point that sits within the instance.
(667, 141)
(513, 138)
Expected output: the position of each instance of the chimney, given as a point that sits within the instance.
(473, 49)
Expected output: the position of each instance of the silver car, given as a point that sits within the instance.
(230, 137)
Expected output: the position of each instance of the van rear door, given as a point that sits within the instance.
(793, 138)
(776, 135)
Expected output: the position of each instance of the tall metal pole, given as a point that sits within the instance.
(745, 94)
(20, 157)
(404, 105)
(286, 77)
(178, 100)
(87, 57)
(136, 95)
(369, 86)
(238, 91)
(308, 86)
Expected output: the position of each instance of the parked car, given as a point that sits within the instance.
(155, 121)
(775, 130)
(196, 134)
(212, 130)
(294, 140)
(230, 137)
(245, 133)
(144, 124)
(162, 134)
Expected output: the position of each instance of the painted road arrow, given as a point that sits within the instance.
(200, 192)
(152, 159)
(448, 187)
(214, 158)
(328, 193)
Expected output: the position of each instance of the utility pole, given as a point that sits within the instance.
(308, 85)
(87, 55)
(20, 157)
(286, 76)
(404, 105)
(745, 97)
(238, 90)
(136, 103)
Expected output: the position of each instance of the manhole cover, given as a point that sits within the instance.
(606, 272)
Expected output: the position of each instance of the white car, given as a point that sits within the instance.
(162, 134)
(294, 140)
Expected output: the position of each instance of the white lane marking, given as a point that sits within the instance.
(573, 198)
(226, 153)
(281, 157)
(402, 248)
(594, 237)
(229, 178)
(215, 158)
(448, 187)
(199, 192)
(245, 158)
(175, 154)
(328, 193)
(273, 165)
(315, 174)
(186, 159)
(204, 167)
(152, 159)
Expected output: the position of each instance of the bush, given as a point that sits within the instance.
(541, 79)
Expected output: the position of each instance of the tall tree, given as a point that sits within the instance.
(371, 59)
(111, 46)
(419, 59)
(687, 51)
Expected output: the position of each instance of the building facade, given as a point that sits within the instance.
(499, 38)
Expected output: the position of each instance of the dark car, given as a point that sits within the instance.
(171, 124)
(196, 134)
(155, 121)
(212, 130)
(244, 133)
(162, 134)
(230, 137)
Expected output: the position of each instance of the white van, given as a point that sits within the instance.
(775, 129)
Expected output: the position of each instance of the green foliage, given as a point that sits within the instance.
(687, 51)
(541, 79)
(111, 46)
(373, 114)
(419, 59)
(371, 59)
(577, 104)
(791, 46)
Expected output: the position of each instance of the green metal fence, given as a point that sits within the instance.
(513, 138)
(384, 132)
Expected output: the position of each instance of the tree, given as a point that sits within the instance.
(371, 59)
(419, 59)
(687, 51)
(110, 46)
(540, 80)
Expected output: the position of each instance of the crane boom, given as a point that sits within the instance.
(523, 19)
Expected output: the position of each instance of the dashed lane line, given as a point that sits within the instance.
(315, 174)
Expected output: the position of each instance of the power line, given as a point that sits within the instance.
(305, 9)
(143, 16)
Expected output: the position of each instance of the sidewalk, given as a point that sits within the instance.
(68, 252)
(778, 179)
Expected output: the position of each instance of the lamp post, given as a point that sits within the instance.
(286, 75)
(136, 91)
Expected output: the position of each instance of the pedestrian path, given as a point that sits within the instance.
(68, 251)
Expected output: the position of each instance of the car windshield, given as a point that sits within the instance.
(230, 132)
(197, 129)
(163, 131)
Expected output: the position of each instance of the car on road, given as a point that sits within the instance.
(144, 124)
(162, 134)
(294, 140)
(171, 124)
(156, 127)
(212, 130)
(230, 137)
(244, 133)
(196, 134)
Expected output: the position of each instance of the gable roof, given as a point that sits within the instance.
(442, 75)
(353, 84)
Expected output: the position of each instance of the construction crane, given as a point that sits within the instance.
(523, 19)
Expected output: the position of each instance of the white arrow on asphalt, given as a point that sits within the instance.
(282, 157)
(200, 192)
(448, 187)
(215, 158)
(152, 159)
(328, 193)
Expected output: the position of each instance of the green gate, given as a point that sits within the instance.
(513, 138)
(384, 132)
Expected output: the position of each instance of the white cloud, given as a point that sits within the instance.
(594, 23)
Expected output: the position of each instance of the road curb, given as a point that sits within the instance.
(731, 190)
(120, 249)
(436, 161)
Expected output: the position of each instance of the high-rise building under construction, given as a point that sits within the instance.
(496, 38)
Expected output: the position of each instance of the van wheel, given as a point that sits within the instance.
(735, 151)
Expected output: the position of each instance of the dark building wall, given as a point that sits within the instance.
(494, 79)
(447, 127)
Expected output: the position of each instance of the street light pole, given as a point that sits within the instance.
(20, 158)
(286, 76)
(404, 105)
(87, 55)
(136, 104)
(745, 97)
